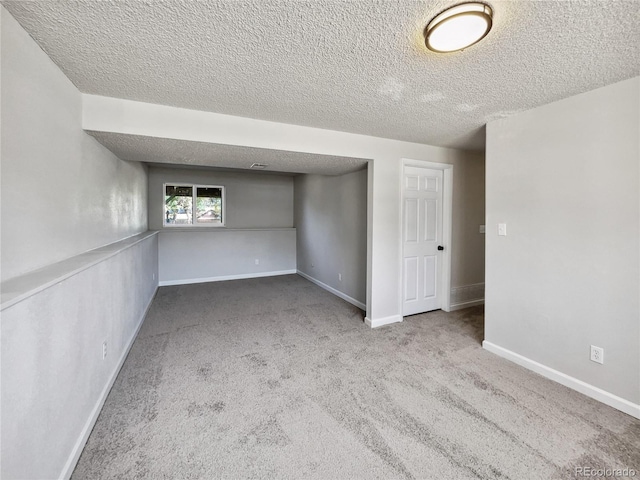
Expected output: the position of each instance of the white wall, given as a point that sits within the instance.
(565, 179)
(383, 222)
(62, 192)
(331, 229)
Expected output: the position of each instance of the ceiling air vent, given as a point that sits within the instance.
(259, 166)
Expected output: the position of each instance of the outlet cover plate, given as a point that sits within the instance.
(597, 354)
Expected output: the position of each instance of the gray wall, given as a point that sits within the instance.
(62, 192)
(253, 200)
(196, 256)
(384, 276)
(565, 179)
(53, 376)
(331, 228)
(330, 218)
(468, 244)
(259, 221)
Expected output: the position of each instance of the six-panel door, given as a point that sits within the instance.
(421, 236)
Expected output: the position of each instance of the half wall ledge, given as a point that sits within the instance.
(24, 286)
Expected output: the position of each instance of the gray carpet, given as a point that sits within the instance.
(275, 378)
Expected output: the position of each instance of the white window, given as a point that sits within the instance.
(193, 205)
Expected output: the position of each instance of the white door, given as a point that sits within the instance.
(422, 239)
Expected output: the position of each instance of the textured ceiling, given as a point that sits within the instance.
(165, 150)
(353, 65)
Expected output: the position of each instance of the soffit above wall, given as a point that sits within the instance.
(155, 150)
(357, 66)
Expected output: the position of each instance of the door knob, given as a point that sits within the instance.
(440, 247)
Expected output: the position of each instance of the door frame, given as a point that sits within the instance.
(447, 225)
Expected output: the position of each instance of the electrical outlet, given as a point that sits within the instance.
(339, 277)
(502, 229)
(104, 350)
(257, 261)
(597, 354)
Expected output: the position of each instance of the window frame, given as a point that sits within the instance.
(194, 193)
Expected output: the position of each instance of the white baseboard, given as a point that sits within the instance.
(188, 281)
(460, 306)
(70, 465)
(466, 296)
(379, 322)
(587, 389)
(337, 293)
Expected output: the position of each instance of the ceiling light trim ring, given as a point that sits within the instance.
(475, 9)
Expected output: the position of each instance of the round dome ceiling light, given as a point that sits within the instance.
(459, 27)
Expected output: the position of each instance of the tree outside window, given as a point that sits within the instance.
(193, 205)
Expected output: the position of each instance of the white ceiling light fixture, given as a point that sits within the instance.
(459, 27)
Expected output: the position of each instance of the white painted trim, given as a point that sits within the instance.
(193, 206)
(460, 306)
(369, 294)
(447, 235)
(222, 278)
(383, 321)
(337, 293)
(585, 388)
(70, 465)
(447, 227)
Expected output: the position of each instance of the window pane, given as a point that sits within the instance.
(208, 205)
(178, 205)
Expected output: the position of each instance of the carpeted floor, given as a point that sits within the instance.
(275, 378)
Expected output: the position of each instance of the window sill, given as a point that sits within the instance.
(222, 229)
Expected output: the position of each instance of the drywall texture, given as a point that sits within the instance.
(357, 66)
(252, 200)
(192, 256)
(331, 228)
(468, 244)
(565, 180)
(140, 148)
(53, 374)
(62, 192)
